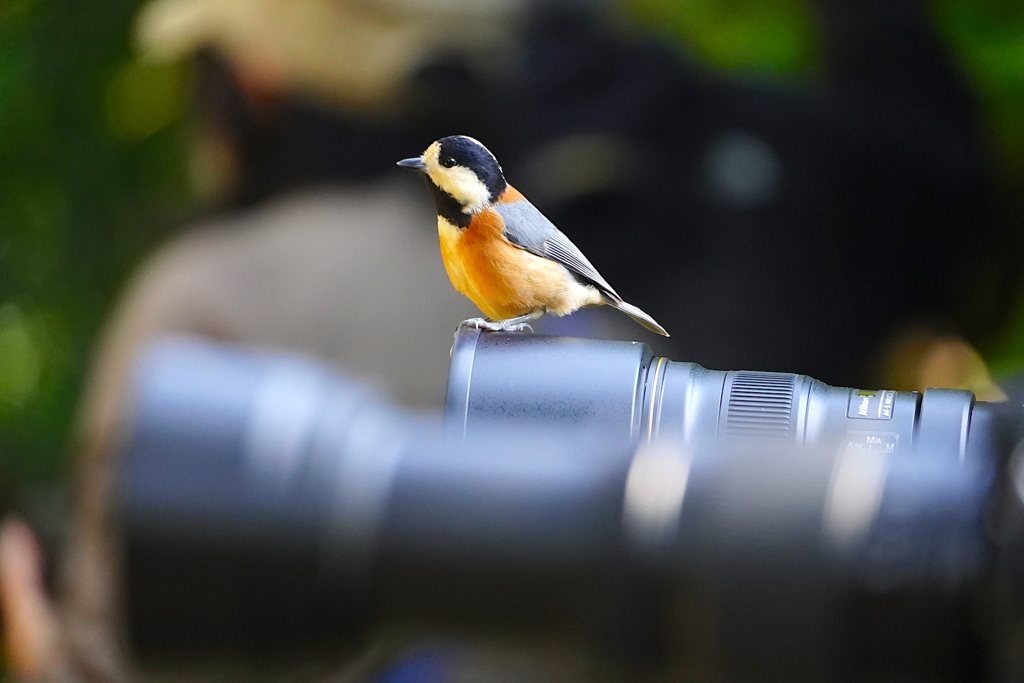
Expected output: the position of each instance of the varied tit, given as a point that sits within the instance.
(499, 250)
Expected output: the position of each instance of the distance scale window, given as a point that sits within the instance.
(870, 442)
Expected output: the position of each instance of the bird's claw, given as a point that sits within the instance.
(476, 323)
(495, 326)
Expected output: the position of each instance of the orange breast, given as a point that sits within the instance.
(502, 280)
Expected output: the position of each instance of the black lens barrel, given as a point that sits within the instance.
(265, 497)
(621, 388)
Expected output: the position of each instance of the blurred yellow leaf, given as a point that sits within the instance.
(19, 358)
(143, 98)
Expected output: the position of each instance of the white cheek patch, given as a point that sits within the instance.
(457, 181)
(464, 185)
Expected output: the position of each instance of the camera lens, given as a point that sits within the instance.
(266, 499)
(621, 388)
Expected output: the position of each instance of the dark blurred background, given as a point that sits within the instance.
(96, 170)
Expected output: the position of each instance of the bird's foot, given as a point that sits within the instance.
(496, 325)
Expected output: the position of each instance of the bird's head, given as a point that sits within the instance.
(463, 169)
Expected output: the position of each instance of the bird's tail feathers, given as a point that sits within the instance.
(639, 316)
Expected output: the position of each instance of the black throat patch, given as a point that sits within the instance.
(447, 206)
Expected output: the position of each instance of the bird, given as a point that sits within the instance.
(500, 250)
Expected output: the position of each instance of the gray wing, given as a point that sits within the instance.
(527, 228)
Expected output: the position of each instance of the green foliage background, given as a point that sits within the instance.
(92, 169)
(90, 176)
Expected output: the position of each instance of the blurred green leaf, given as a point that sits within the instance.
(19, 360)
(12, 9)
(988, 37)
(774, 36)
(143, 98)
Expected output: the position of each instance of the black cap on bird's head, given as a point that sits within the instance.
(463, 170)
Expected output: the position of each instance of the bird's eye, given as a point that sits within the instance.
(447, 162)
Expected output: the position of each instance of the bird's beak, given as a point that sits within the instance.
(415, 163)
